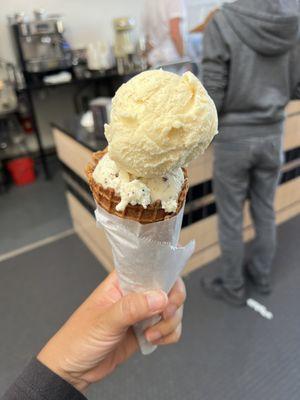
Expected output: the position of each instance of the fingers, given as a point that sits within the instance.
(133, 308)
(176, 297)
(167, 330)
(164, 328)
(174, 337)
(126, 311)
(177, 294)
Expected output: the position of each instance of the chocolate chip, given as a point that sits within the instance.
(164, 179)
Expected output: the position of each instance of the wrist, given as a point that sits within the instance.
(55, 365)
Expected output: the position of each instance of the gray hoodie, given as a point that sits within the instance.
(251, 65)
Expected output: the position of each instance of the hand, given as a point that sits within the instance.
(98, 336)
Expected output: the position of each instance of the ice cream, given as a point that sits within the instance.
(143, 191)
(159, 123)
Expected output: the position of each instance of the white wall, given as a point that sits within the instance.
(87, 20)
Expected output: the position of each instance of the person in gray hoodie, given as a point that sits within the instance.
(251, 56)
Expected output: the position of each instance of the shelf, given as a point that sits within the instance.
(14, 151)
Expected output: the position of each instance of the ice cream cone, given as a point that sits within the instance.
(136, 234)
(146, 257)
(154, 110)
(108, 199)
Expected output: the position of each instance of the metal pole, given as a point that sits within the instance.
(38, 135)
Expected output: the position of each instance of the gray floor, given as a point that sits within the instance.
(225, 353)
(33, 212)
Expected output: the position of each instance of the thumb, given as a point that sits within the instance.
(133, 308)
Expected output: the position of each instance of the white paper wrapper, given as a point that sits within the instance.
(146, 257)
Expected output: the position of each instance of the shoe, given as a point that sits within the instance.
(261, 285)
(215, 288)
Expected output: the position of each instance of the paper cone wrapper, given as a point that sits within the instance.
(146, 257)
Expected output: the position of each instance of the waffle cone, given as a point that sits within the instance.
(108, 199)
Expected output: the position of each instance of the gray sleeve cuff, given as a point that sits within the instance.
(37, 382)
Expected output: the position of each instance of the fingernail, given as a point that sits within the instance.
(170, 311)
(153, 336)
(156, 300)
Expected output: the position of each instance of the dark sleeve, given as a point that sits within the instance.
(215, 64)
(37, 382)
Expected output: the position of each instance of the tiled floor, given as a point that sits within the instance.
(33, 212)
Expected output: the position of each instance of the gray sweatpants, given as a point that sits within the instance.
(249, 168)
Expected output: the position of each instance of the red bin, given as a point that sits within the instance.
(22, 170)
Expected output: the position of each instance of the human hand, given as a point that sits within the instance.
(99, 336)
